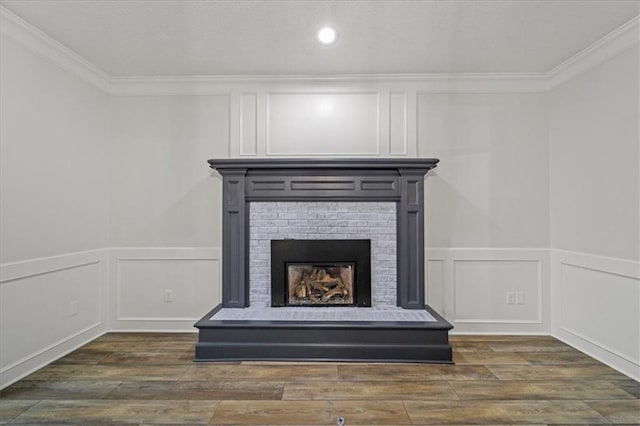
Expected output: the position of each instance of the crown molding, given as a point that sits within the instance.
(617, 41)
(445, 83)
(614, 43)
(46, 47)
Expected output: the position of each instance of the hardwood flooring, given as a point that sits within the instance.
(150, 378)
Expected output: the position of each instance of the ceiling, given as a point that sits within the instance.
(269, 37)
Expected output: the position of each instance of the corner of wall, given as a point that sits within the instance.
(50, 307)
(38, 42)
(595, 298)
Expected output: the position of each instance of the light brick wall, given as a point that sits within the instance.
(323, 220)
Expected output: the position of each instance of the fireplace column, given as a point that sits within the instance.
(235, 237)
(410, 240)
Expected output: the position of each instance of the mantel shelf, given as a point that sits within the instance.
(417, 164)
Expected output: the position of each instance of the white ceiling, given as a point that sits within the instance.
(238, 37)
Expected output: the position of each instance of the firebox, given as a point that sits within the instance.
(321, 273)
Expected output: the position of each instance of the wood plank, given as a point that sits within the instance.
(500, 412)
(373, 390)
(551, 372)
(621, 412)
(198, 390)
(55, 389)
(481, 358)
(310, 412)
(92, 412)
(413, 372)
(538, 389)
(9, 410)
(249, 371)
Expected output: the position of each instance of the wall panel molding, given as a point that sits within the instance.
(605, 323)
(323, 123)
(523, 271)
(142, 275)
(44, 265)
(70, 290)
(463, 275)
(398, 131)
(249, 124)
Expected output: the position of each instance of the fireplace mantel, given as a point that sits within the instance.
(340, 179)
(425, 164)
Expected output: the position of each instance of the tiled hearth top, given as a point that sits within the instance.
(323, 314)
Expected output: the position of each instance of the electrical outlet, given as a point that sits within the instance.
(168, 296)
(73, 308)
(511, 298)
(519, 298)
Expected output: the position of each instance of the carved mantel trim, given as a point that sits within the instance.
(340, 179)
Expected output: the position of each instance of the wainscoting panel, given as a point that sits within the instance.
(249, 124)
(49, 307)
(398, 123)
(596, 307)
(490, 290)
(482, 289)
(435, 285)
(164, 289)
(323, 123)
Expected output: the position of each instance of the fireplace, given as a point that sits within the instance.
(398, 326)
(314, 273)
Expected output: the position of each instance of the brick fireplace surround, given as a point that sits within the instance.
(323, 180)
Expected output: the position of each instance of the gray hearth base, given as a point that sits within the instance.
(379, 341)
(397, 180)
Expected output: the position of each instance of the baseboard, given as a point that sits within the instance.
(596, 351)
(595, 307)
(67, 291)
(36, 361)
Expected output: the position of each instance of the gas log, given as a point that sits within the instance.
(321, 285)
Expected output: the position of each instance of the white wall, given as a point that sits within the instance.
(487, 228)
(492, 187)
(54, 209)
(163, 193)
(165, 212)
(495, 162)
(593, 139)
(55, 132)
(595, 216)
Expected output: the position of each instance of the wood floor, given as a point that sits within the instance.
(496, 380)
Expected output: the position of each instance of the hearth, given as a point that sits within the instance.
(316, 273)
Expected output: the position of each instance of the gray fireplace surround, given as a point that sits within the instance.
(352, 338)
(342, 179)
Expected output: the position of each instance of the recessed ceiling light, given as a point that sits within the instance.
(327, 35)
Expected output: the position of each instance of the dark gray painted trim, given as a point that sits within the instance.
(323, 163)
(334, 186)
(388, 341)
(341, 179)
(410, 240)
(235, 241)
